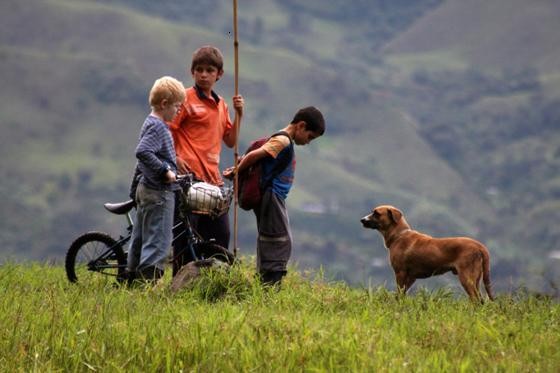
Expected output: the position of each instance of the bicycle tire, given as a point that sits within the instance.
(90, 246)
(210, 250)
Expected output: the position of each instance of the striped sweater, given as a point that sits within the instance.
(156, 154)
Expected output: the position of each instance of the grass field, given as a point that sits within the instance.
(227, 322)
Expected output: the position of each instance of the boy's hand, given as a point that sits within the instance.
(170, 177)
(229, 173)
(238, 103)
(182, 166)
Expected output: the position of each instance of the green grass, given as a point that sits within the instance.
(227, 322)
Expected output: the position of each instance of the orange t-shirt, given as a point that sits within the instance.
(198, 131)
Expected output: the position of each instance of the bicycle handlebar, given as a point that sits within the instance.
(185, 179)
(184, 176)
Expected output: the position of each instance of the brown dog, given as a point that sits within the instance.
(416, 255)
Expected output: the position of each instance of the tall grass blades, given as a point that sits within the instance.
(227, 321)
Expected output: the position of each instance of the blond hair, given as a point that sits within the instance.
(166, 88)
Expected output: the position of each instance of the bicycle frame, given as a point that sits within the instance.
(197, 200)
(98, 264)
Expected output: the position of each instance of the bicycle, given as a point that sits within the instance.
(98, 252)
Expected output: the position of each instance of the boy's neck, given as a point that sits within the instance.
(157, 114)
(291, 130)
(206, 92)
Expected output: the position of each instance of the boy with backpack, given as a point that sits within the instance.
(274, 241)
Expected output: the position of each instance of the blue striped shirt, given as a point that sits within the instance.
(156, 154)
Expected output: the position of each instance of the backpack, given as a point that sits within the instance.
(251, 187)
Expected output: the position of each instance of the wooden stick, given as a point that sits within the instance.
(237, 123)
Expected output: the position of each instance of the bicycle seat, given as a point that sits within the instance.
(120, 208)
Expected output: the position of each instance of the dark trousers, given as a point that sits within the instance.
(216, 229)
(274, 241)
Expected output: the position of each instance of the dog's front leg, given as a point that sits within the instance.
(404, 281)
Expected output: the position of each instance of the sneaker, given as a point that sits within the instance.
(150, 274)
(272, 278)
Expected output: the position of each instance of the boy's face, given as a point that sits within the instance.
(169, 110)
(205, 76)
(302, 135)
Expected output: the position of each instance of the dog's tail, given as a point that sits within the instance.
(486, 273)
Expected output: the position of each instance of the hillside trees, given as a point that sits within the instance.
(500, 132)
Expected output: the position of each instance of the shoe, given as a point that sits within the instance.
(150, 274)
(272, 278)
(124, 279)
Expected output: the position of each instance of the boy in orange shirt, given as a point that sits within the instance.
(198, 131)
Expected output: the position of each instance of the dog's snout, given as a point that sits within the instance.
(367, 222)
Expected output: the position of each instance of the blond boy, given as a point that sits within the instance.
(154, 183)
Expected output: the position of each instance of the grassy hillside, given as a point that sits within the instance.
(487, 34)
(228, 322)
(487, 74)
(74, 95)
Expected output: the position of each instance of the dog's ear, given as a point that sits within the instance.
(395, 214)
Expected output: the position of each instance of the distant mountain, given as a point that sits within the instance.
(489, 35)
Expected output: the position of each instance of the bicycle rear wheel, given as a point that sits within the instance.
(209, 250)
(94, 252)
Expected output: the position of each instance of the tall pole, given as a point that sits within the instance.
(237, 122)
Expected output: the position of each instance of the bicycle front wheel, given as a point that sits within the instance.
(210, 250)
(94, 252)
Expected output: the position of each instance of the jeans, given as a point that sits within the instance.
(151, 236)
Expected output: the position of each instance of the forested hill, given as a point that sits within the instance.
(489, 35)
(432, 107)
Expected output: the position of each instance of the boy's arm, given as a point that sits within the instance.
(231, 136)
(247, 161)
(149, 145)
(251, 158)
(134, 182)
